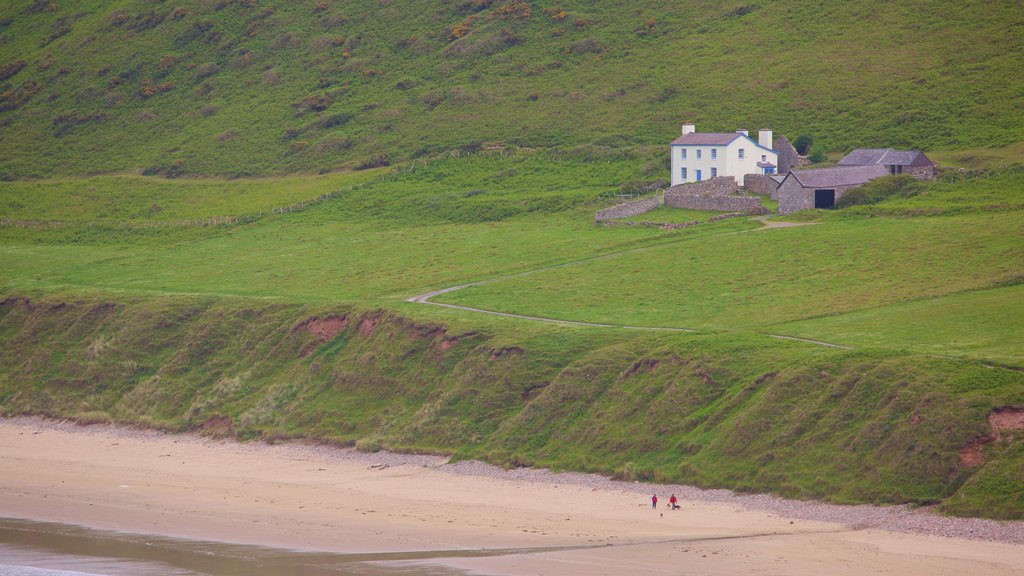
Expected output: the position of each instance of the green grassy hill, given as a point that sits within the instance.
(253, 87)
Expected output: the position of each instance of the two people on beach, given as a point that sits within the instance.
(673, 502)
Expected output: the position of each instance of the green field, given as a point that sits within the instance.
(145, 199)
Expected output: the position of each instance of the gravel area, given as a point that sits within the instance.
(920, 520)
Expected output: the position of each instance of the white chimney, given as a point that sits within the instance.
(764, 138)
(742, 131)
(689, 128)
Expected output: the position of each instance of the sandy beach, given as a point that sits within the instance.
(336, 500)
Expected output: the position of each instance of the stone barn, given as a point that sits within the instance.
(806, 189)
(912, 162)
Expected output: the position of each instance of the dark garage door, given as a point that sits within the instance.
(824, 198)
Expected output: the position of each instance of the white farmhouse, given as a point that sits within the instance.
(698, 156)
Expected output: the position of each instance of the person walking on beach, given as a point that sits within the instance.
(654, 501)
(672, 502)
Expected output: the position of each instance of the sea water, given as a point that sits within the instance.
(29, 548)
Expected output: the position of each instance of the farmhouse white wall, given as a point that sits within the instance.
(724, 156)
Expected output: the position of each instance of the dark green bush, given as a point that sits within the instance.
(900, 185)
(802, 144)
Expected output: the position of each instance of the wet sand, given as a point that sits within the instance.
(324, 499)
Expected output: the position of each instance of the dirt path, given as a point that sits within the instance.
(425, 298)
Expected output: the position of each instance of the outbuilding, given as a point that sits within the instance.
(806, 189)
(912, 162)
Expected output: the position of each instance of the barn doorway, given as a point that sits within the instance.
(825, 198)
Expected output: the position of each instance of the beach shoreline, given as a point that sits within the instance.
(324, 498)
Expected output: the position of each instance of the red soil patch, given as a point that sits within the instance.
(447, 342)
(368, 325)
(323, 328)
(1001, 420)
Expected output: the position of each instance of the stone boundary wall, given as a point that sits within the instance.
(746, 204)
(627, 209)
(718, 186)
(761, 184)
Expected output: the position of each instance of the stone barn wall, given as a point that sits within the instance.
(788, 158)
(761, 184)
(793, 197)
(627, 209)
(921, 172)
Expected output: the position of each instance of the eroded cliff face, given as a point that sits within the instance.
(711, 410)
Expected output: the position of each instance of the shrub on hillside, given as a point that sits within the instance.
(802, 144)
(378, 161)
(900, 186)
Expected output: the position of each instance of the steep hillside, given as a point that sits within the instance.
(238, 87)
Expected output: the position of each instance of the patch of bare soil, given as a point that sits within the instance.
(323, 328)
(1000, 420)
(368, 325)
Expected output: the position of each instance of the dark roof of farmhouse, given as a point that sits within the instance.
(881, 156)
(839, 176)
(706, 138)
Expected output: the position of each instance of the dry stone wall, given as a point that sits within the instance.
(627, 209)
(718, 194)
(719, 186)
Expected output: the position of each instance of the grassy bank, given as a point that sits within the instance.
(734, 411)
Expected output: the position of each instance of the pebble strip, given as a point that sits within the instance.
(916, 520)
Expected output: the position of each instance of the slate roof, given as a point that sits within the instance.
(706, 138)
(765, 165)
(839, 176)
(880, 156)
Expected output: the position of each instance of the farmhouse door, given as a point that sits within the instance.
(698, 176)
(824, 198)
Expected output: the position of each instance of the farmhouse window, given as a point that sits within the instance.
(682, 153)
(714, 153)
(714, 171)
(742, 154)
(682, 173)
(698, 153)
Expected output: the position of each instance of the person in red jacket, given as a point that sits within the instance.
(672, 502)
